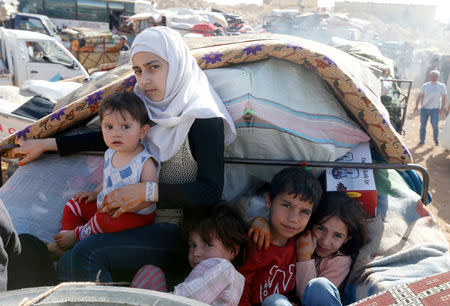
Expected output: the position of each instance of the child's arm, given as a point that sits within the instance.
(305, 268)
(259, 232)
(88, 196)
(149, 173)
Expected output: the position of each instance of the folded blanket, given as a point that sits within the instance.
(406, 242)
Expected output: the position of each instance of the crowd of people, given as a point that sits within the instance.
(164, 171)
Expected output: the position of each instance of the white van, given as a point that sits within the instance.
(30, 55)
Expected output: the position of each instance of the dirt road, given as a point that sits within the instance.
(436, 160)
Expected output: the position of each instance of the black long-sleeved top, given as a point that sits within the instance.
(206, 140)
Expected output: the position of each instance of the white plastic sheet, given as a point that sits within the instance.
(49, 90)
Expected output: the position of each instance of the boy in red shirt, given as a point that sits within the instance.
(292, 196)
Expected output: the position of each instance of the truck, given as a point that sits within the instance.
(95, 14)
(30, 55)
(32, 22)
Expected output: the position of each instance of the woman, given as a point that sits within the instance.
(191, 127)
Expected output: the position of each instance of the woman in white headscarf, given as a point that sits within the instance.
(189, 131)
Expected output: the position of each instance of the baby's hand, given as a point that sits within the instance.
(305, 246)
(259, 233)
(85, 196)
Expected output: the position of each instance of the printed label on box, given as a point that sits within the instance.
(357, 183)
(342, 179)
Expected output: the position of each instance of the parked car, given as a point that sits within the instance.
(29, 55)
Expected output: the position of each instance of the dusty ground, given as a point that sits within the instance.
(436, 160)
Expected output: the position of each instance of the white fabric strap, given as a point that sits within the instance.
(150, 191)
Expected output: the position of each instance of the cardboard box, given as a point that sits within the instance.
(357, 183)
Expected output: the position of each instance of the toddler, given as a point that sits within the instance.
(217, 240)
(125, 123)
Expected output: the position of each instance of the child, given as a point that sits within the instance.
(217, 244)
(291, 199)
(325, 253)
(124, 123)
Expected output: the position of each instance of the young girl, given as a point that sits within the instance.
(124, 124)
(326, 252)
(218, 243)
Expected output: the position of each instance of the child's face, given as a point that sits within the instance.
(151, 74)
(122, 132)
(288, 216)
(200, 250)
(331, 235)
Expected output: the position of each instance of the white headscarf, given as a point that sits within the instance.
(188, 94)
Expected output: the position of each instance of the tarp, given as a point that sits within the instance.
(405, 245)
(366, 52)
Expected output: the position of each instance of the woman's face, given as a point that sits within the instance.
(330, 235)
(151, 74)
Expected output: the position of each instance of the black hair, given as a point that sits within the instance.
(124, 101)
(298, 181)
(339, 204)
(222, 222)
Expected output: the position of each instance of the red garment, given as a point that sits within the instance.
(86, 221)
(206, 29)
(269, 272)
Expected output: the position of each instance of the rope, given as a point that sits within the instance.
(27, 302)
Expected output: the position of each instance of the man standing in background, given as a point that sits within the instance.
(432, 96)
(123, 43)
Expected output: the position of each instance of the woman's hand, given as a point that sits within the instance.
(260, 234)
(32, 149)
(305, 246)
(129, 198)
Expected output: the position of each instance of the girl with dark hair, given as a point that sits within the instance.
(217, 241)
(326, 252)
